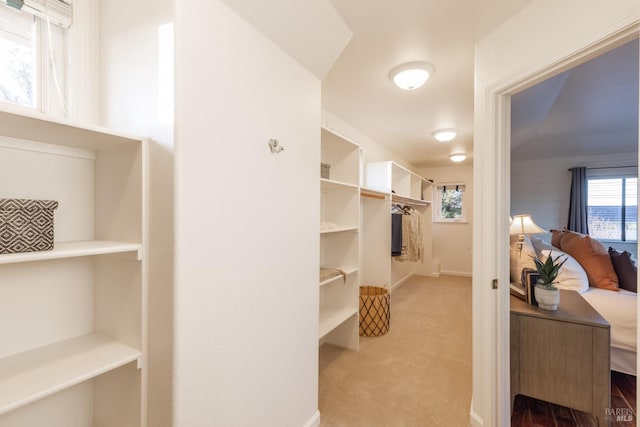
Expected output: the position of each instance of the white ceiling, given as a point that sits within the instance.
(389, 33)
(591, 109)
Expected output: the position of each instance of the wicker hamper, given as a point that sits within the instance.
(26, 225)
(375, 311)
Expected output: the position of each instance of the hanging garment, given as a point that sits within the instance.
(412, 244)
(396, 234)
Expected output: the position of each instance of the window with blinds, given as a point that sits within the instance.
(613, 208)
(33, 54)
(56, 12)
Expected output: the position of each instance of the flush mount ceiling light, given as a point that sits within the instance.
(457, 157)
(411, 75)
(444, 135)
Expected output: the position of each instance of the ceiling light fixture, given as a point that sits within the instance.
(444, 135)
(457, 157)
(411, 75)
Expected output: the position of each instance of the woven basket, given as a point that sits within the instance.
(26, 225)
(375, 311)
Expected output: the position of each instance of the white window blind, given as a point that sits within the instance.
(16, 27)
(57, 12)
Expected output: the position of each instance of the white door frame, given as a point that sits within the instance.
(491, 364)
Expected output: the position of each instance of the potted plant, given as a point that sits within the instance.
(547, 294)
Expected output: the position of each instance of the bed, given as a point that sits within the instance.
(618, 307)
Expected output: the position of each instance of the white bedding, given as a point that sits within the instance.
(620, 310)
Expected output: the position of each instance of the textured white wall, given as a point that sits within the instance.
(540, 37)
(452, 242)
(247, 241)
(136, 96)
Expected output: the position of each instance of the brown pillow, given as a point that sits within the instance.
(593, 257)
(625, 268)
(568, 235)
(556, 237)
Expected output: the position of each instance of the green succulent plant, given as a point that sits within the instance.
(549, 270)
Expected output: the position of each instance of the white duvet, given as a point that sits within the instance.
(620, 310)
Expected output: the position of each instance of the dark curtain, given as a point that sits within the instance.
(578, 201)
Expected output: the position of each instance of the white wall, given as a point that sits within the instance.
(136, 96)
(247, 241)
(372, 151)
(83, 63)
(452, 242)
(541, 37)
(542, 187)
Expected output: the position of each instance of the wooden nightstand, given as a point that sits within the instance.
(561, 356)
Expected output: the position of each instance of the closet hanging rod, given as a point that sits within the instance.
(372, 195)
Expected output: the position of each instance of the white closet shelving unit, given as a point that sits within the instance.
(73, 320)
(339, 245)
(387, 183)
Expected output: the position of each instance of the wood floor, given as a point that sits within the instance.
(529, 412)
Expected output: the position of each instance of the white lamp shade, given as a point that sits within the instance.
(523, 224)
(411, 75)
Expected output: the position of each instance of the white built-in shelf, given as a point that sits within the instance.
(27, 124)
(331, 318)
(340, 205)
(391, 178)
(73, 249)
(339, 230)
(405, 199)
(347, 270)
(35, 374)
(99, 178)
(329, 184)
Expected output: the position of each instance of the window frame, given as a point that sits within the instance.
(437, 212)
(46, 99)
(622, 173)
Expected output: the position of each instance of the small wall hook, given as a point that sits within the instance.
(275, 146)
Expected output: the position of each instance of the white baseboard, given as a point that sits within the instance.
(314, 421)
(455, 273)
(401, 281)
(474, 419)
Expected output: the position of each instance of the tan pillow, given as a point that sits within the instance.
(556, 237)
(593, 257)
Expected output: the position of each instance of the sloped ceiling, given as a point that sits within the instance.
(310, 31)
(591, 109)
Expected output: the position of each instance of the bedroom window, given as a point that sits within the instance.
(32, 58)
(450, 203)
(613, 208)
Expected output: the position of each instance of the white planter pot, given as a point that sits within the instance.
(547, 299)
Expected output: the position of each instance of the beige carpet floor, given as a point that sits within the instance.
(416, 375)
